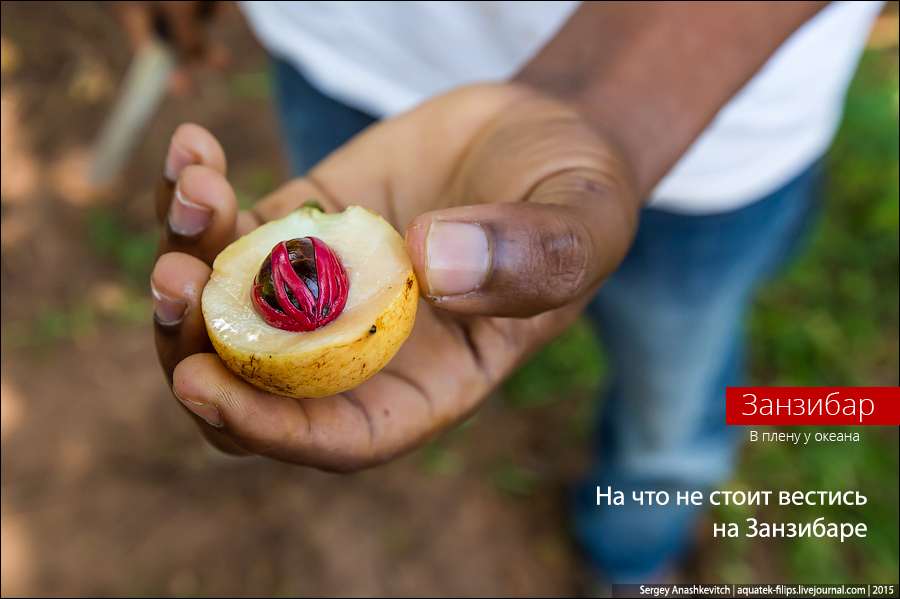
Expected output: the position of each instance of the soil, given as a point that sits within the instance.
(107, 488)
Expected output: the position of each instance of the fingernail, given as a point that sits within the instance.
(207, 411)
(187, 218)
(176, 159)
(166, 310)
(457, 257)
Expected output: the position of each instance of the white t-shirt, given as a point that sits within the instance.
(385, 58)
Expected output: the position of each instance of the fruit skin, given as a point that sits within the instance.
(337, 368)
(310, 369)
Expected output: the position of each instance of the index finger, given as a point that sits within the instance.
(190, 144)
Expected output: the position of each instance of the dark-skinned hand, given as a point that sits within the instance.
(517, 201)
(515, 209)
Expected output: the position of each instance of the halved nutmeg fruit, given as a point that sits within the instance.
(312, 304)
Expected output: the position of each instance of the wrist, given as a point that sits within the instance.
(654, 74)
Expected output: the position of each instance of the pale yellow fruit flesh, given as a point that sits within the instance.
(377, 319)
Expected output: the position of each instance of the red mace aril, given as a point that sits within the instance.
(301, 285)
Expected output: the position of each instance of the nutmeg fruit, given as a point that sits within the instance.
(312, 304)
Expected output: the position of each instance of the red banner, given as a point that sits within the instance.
(813, 405)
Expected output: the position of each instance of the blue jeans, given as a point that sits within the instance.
(312, 124)
(671, 318)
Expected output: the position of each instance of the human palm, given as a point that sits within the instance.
(550, 194)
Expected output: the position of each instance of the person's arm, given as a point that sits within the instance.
(654, 74)
(518, 200)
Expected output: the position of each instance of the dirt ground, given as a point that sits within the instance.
(108, 490)
(106, 487)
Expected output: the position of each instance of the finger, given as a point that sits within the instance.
(202, 216)
(176, 284)
(523, 258)
(335, 436)
(190, 144)
(390, 413)
(545, 210)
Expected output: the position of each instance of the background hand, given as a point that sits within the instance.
(182, 24)
(513, 206)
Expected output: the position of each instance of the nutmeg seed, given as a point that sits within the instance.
(301, 286)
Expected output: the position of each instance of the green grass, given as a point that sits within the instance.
(832, 319)
(573, 364)
(133, 253)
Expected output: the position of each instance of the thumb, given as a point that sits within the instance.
(523, 258)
